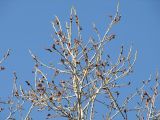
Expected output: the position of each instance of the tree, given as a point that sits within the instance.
(86, 76)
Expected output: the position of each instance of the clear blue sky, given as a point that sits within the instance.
(26, 24)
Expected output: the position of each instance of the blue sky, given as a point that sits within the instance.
(27, 25)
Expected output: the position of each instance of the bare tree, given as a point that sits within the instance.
(84, 76)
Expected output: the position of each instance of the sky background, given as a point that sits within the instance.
(26, 24)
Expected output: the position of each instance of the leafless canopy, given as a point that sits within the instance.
(84, 76)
